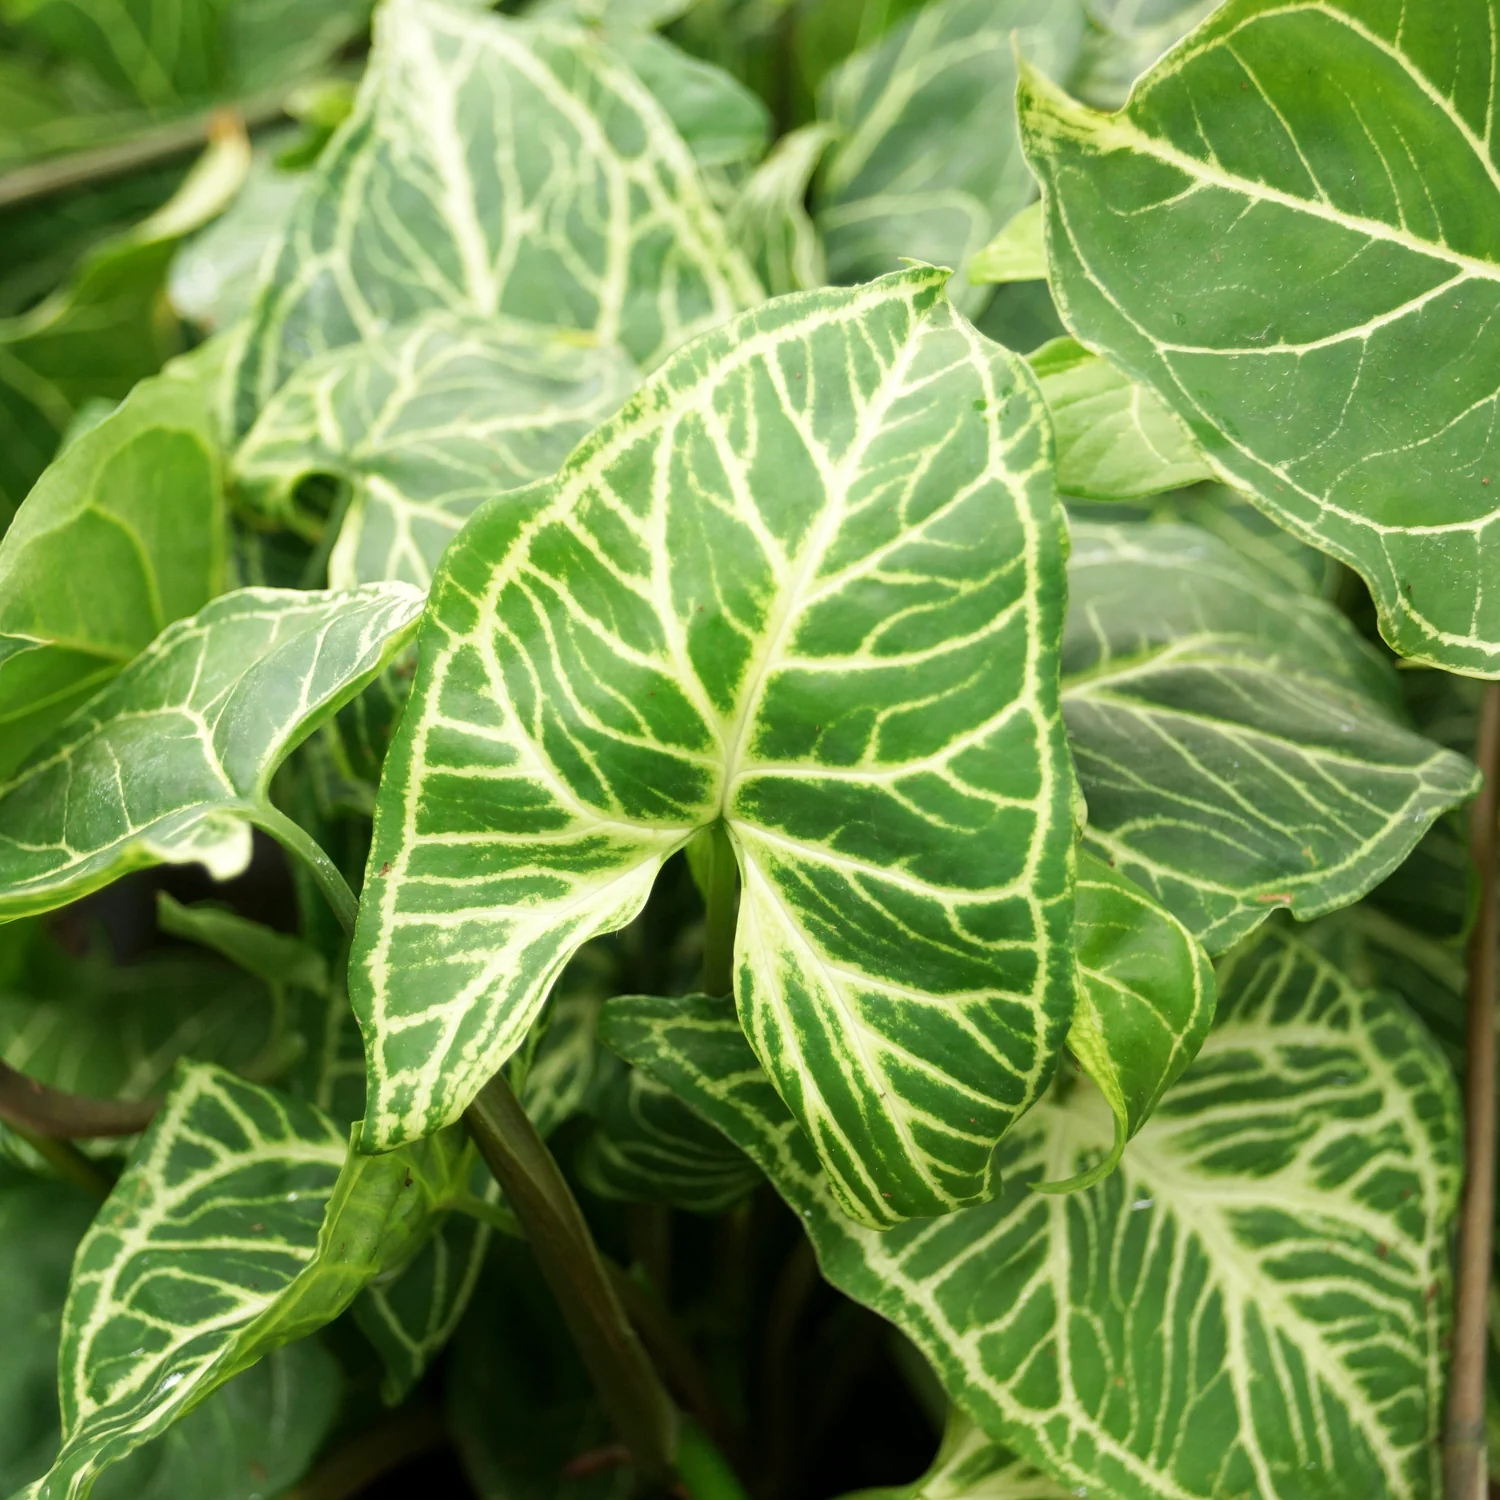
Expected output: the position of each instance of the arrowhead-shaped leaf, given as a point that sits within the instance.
(1326, 328)
(647, 1146)
(808, 582)
(1240, 747)
(495, 166)
(1145, 1001)
(121, 536)
(242, 1222)
(928, 161)
(1253, 1304)
(172, 760)
(423, 423)
(1115, 440)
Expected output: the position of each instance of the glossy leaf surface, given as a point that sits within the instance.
(809, 582)
(494, 166)
(1254, 1303)
(422, 424)
(171, 761)
(928, 163)
(138, 502)
(1240, 747)
(1115, 440)
(1145, 1000)
(242, 1222)
(1324, 180)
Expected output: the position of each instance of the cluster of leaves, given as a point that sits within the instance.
(584, 454)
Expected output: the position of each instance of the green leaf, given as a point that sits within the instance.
(927, 164)
(556, 1072)
(121, 536)
(1240, 746)
(116, 1031)
(1124, 38)
(102, 331)
(410, 1315)
(768, 218)
(40, 1224)
(1253, 1304)
(646, 1146)
(1145, 1001)
(422, 424)
(256, 1436)
(970, 1466)
(831, 626)
(1115, 440)
(1325, 328)
(581, 208)
(1017, 253)
(243, 1222)
(172, 760)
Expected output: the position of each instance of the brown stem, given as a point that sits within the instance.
(152, 146)
(629, 1388)
(1464, 1447)
(397, 1439)
(40, 1110)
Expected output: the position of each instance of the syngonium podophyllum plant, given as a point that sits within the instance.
(750, 697)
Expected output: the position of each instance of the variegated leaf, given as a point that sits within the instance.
(809, 583)
(928, 163)
(495, 166)
(1240, 747)
(647, 1146)
(172, 760)
(769, 221)
(1115, 440)
(422, 424)
(972, 1466)
(242, 1222)
(123, 534)
(1253, 1304)
(1123, 39)
(1323, 178)
(1145, 1001)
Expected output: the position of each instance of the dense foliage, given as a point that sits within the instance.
(800, 599)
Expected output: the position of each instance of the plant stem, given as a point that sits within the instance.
(704, 1470)
(629, 1389)
(349, 1471)
(156, 144)
(38, 1110)
(1464, 1446)
(718, 925)
(297, 840)
(68, 1162)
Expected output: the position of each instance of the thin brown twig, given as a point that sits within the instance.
(40, 1110)
(152, 146)
(1464, 1445)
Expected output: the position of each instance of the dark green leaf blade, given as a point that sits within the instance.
(1235, 1302)
(1327, 330)
(1239, 746)
(121, 536)
(795, 649)
(217, 702)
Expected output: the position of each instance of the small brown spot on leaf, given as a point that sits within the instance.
(385, 869)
